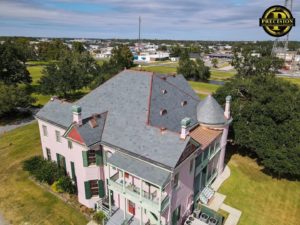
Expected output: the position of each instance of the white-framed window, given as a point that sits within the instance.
(70, 144)
(57, 135)
(45, 131)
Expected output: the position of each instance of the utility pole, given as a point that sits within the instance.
(140, 21)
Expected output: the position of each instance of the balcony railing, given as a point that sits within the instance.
(133, 193)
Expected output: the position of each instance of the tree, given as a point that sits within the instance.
(12, 64)
(78, 47)
(12, 97)
(248, 65)
(195, 70)
(52, 50)
(70, 74)
(214, 62)
(121, 57)
(266, 115)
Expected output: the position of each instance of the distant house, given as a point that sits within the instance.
(194, 56)
(142, 146)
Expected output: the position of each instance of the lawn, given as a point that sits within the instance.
(21, 200)
(35, 72)
(205, 88)
(221, 75)
(293, 80)
(262, 199)
(160, 69)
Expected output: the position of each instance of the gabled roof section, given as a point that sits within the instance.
(90, 132)
(172, 99)
(74, 135)
(210, 112)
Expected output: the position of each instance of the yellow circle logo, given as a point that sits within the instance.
(277, 21)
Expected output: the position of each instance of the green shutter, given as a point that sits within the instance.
(85, 158)
(57, 159)
(174, 217)
(99, 158)
(64, 163)
(101, 188)
(87, 187)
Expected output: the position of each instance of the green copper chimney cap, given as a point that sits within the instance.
(186, 122)
(76, 109)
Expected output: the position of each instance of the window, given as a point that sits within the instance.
(70, 144)
(91, 157)
(126, 175)
(94, 187)
(45, 132)
(191, 165)
(58, 137)
(176, 179)
(48, 154)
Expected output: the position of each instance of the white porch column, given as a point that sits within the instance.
(109, 201)
(125, 200)
(141, 189)
(141, 221)
(123, 180)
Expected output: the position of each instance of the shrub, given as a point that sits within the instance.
(99, 217)
(55, 187)
(43, 170)
(66, 184)
(33, 164)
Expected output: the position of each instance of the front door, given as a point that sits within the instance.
(131, 207)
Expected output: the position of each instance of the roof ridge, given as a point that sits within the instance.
(149, 99)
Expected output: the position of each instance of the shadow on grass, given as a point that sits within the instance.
(233, 148)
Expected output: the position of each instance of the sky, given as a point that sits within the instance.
(161, 19)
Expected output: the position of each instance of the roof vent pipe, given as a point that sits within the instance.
(227, 107)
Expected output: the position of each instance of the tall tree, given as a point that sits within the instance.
(194, 70)
(121, 57)
(12, 96)
(70, 74)
(214, 62)
(12, 64)
(248, 65)
(78, 47)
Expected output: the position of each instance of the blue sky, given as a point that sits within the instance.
(161, 19)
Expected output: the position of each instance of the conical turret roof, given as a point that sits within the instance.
(210, 112)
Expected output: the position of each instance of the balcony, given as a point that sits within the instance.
(148, 200)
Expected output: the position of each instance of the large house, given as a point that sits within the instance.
(142, 145)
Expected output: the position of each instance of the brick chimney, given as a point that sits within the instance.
(185, 125)
(77, 114)
(227, 107)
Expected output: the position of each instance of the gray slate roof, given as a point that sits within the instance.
(177, 90)
(210, 112)
(140, 168)
(126, 99)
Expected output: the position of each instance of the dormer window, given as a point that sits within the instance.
(163, 112)
(183, 103)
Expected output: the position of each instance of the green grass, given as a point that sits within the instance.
(262, 199)
(205, 88)
(21, 200)
(35, 72)
(293, 80)
(160, 69)
(221, 75)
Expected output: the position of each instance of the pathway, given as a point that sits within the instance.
(19, 123)
(218, 200)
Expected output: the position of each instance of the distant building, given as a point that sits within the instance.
(148, 57)
(140, 146)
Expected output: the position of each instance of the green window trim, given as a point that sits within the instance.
(85, 158)
(101, 188)
(87, 188)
